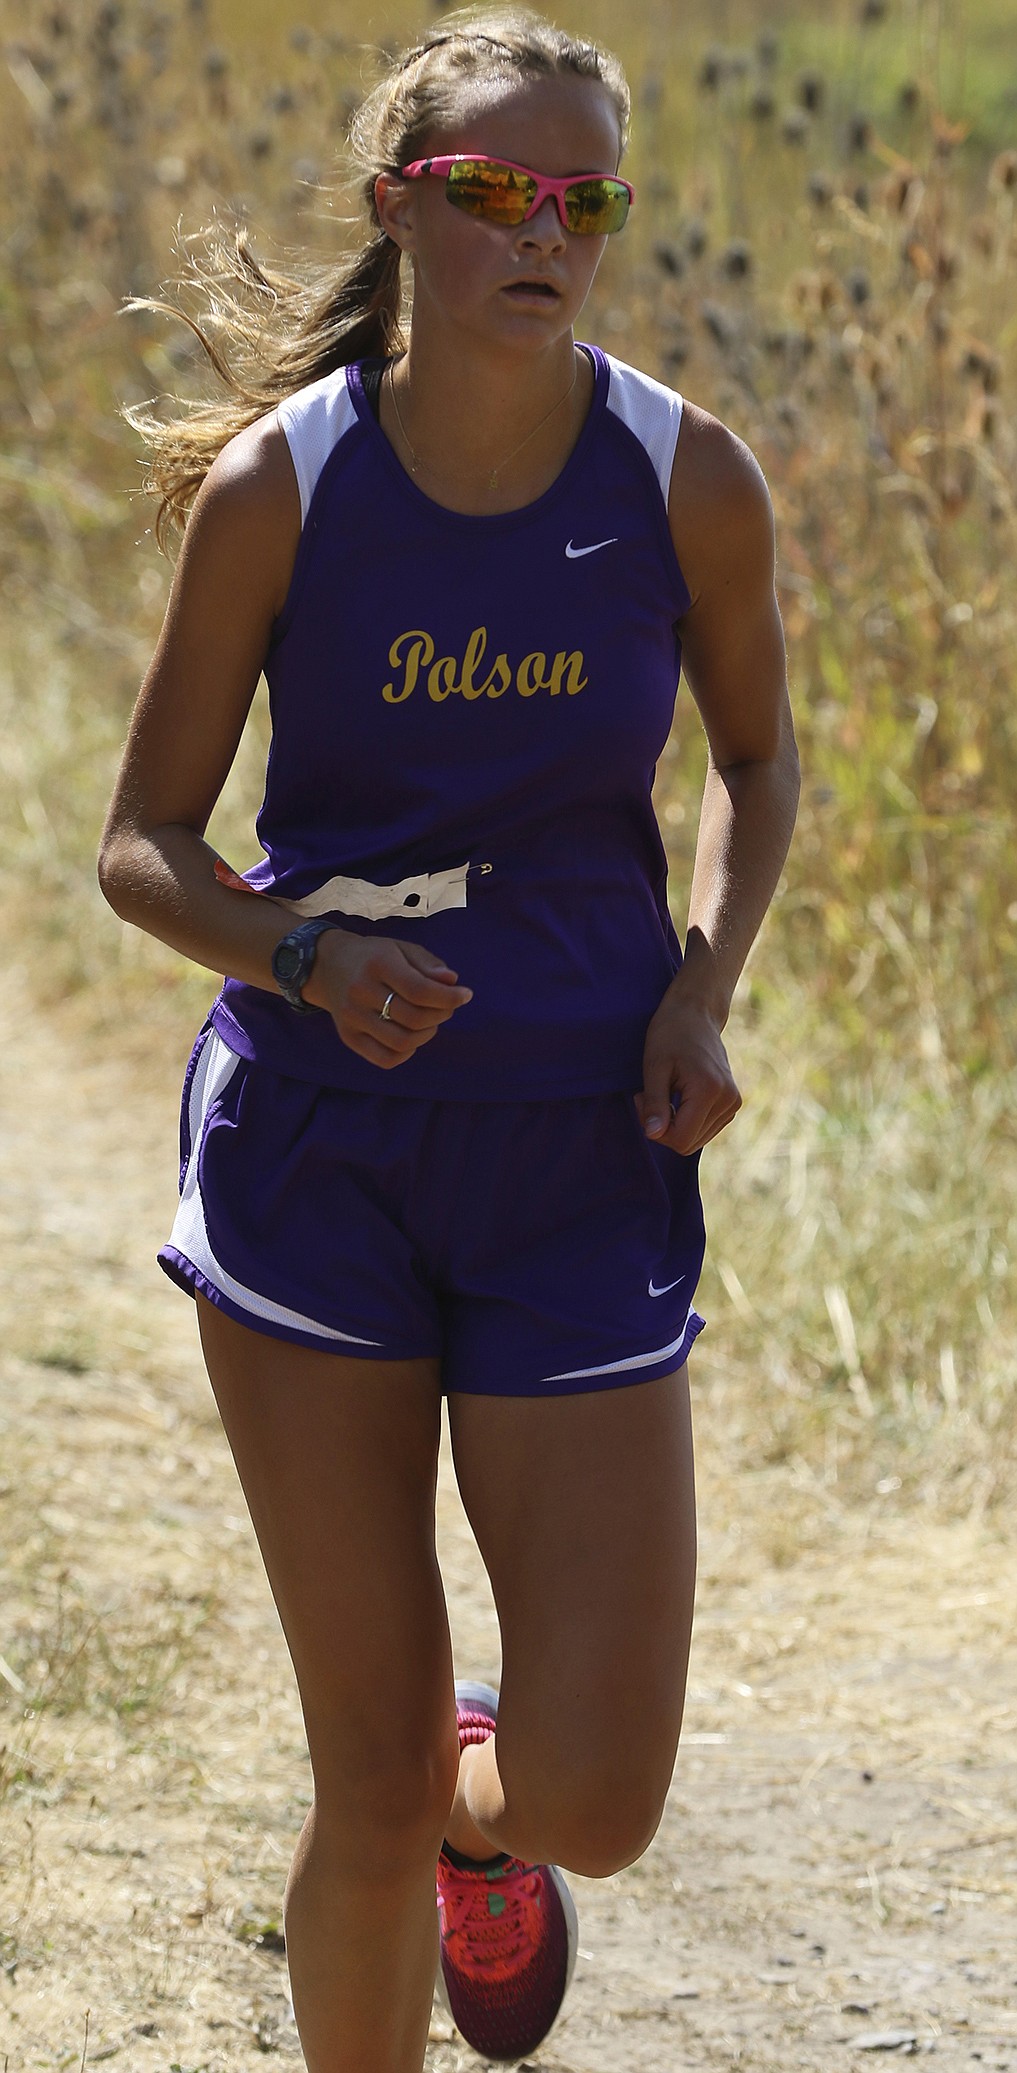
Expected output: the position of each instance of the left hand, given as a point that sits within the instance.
(688, 1085)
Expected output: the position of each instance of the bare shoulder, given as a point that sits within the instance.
(719, 506)
(257, 459)
(245, 520)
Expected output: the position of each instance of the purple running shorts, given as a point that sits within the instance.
(534, 1247)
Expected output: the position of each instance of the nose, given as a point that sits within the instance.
(544, 228)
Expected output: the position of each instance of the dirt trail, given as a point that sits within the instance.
(837, 1860)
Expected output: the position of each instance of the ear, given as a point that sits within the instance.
(393, 199)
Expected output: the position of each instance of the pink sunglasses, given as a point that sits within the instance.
(592, 205)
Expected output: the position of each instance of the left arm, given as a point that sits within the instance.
(735, 665)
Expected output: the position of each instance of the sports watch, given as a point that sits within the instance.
(293, 959)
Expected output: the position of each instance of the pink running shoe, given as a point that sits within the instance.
(508, 1930)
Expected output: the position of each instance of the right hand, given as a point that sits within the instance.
(352, 977)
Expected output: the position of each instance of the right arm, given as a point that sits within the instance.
(155, 867)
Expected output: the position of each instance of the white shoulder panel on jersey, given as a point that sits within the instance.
(651, 411)
(314, 420)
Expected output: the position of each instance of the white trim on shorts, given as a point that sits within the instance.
(617, 1367)
(189, 1236)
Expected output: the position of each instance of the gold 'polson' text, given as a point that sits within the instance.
(413, 656)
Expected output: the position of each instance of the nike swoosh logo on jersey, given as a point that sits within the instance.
(574, 553)
(668, 1285)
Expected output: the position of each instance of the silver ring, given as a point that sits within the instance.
(386, 1010)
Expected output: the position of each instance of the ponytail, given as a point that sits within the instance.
(278, 332)
(302, 330)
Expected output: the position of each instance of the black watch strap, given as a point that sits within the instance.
(293, 959)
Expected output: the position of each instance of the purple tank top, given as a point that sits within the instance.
(466, 717)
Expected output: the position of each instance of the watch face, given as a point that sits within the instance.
(287, 960)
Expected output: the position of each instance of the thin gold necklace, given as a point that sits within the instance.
(492, 480)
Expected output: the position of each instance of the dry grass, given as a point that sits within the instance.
(823, 252)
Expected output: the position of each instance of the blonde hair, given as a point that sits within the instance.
(279, 332)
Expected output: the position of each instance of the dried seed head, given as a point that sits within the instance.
(899, 190)
(768, 49)
(762, 104)
(812, 91)
(695, 237)
(669, 258)
(719, 323)
(990, 415)
(909, 95)
(789, 343)
(859, 133)
(736, 259)
(217, 64)
(712, 69)
(947, 135)
(1003, 172)
(795, 126)
(820, 189)
(980, 362)
(858, 285)
(874, 366)
(872, 11)
(952, 471)
(815, 288)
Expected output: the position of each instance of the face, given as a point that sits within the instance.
(519, 287)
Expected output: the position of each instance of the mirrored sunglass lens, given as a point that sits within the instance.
(493, 191)
(595, 207)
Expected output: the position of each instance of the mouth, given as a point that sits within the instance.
(543, 290)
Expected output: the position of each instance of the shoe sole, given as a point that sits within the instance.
(484, 1696)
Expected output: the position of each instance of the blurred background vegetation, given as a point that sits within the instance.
(823, 253)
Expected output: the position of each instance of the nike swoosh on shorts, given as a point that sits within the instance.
(667, 1286)
(574, 553)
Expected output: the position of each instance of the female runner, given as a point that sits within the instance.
(441, 1130)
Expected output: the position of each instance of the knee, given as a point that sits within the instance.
(599, 1839)
(382, 1799)
(598, 1823)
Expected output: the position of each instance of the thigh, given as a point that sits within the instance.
(338, 1461)
(583, 1507)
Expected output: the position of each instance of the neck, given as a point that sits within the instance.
(464, 407)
